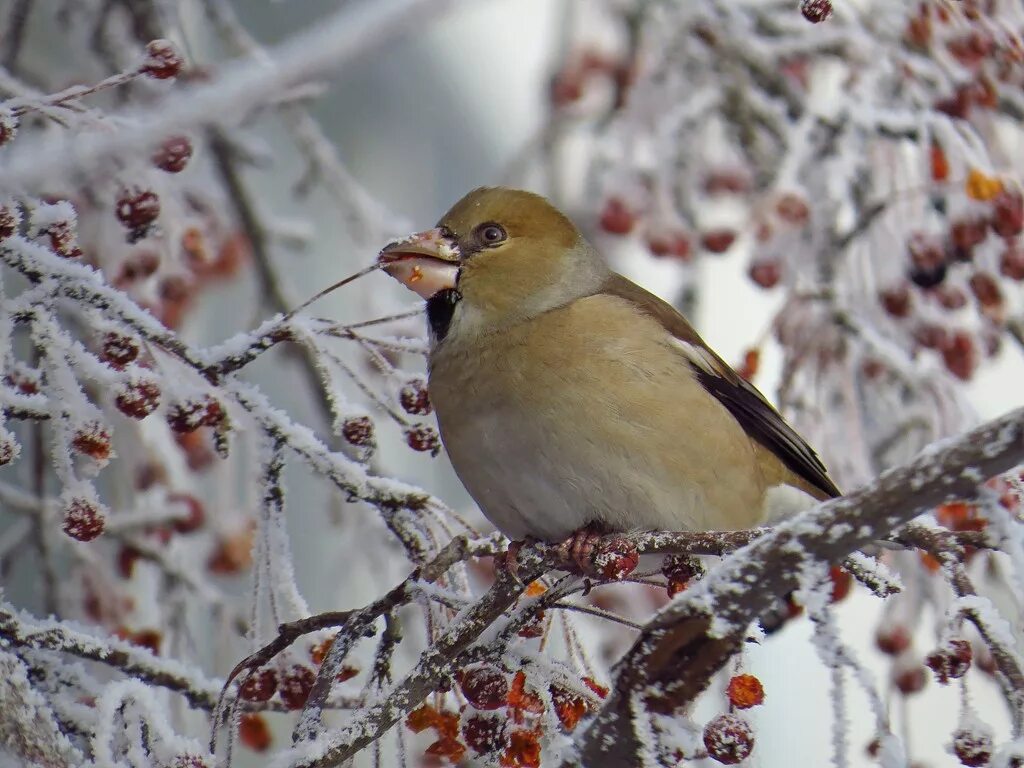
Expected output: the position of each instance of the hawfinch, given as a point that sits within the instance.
(570, 399)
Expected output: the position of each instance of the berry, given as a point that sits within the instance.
(931, 336)
(162, 60)
(896, 301)
(137, 208)
(985, 288)
(261, 685)
(83, 519)
(414, 398)
(939, 163)
(173, 154)
(745, 691)
(793, 208)
(928, 260)
(9, 448)
(8, 222)
(534, 627)
(63, 240)
(147, 638)
(717, 240)
(816, 11)
(196, 514)
(138, 399)
(950, 297)
(842, 581)
(1008, 213)
(569, 707)
(118, 349)
(448, 748)
(484, 733)
(910, 680)
(950, 661)
(967, 233)
(424, 439)
(765, 272)
(189, 761)
(8, 127)
(189, 415)
(295, 685)
(358, 430)
(92, 440)
(617, 218)
(485, 687)
(616, 559)
(728, 739)
(1011, 262)
(960, 355)
(676, 246)
(523, 750)
(893, 640)
(254, 732)
(727, 181)
(139, 266)
(680, 570)
(972, 747)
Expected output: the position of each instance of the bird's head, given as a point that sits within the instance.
(498, 257)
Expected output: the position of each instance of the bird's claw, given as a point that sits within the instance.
(579, 548)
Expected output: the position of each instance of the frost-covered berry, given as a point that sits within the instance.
(728, 739)
(8, 221)
(261, 685)
(358, 430)
(137, 208)
(616, 559)
(8, 126)
(816, 11)
(485, 687)
(119, 349)
(951, 661)
(93, 440)
(173, 154)
(484, 733)
(163, 61)
(83, 519)
(616, 217)
(973, 747)
(9, 447)
(414, 397)
(138, 399)
(190, 415)
(424, 439)
(189, 761)
(679, 571)
(745, 691)
(295, 685)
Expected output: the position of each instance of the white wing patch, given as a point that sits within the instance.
(699, 356)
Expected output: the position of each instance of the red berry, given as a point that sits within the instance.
(138, 399)
(616, 559)
(893, 640)
(119, 349)
(295, 685)
(950, 661)
(1008, 213)
(910, 680)
(816, 11)
(92, 440)
(254, 732)
(189, 415)
(8, 126)
(83, 519)
(765, 272)
(8, 222)
(842, 582)
(717, 240)
(414, 397)
(1011, 262)
(727, 181)
(137, 208)
(139, 266)
(484, 733)
(63, 240)
(189, 761)
(9, 448)
(972, 747)
(967, 233)
(793, 208)
(358, 430)
(162, 60)
(680, 570)
(196, 513)
(896, 301)
(931, 336)
(745, 691)
(950, 297)
(485, 687)
(960, 355)
(173, 154)
(617, 218)
(261, 685)
(728, 739)
(534, 627)
(986, 290)
(424, 439)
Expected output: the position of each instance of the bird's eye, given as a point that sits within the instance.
(491, 234)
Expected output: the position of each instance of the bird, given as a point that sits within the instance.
(574, 403)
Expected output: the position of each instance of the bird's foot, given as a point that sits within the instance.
(509, 559)
(579, 548)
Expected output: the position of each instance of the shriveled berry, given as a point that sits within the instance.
(728, 739)
(137, 208)
(295, 685)
(973, 747)
(485, 687)
(617, 218)
(484, 733)
(424, 439)
(745, 691)
(119, 349)
(261, 685)
(163, 61)
(173, 154)
(1008, 213)
(414, 397)
(680, 570)
(358, 430)
(93, 440)
(83, 519)
(717, 240)
(138, 399)
(254, 732)
(950, 661)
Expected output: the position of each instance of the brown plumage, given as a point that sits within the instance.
(567, 395)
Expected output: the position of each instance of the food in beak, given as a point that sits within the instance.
(425, 263)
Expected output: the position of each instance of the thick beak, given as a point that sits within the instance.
(426, 262)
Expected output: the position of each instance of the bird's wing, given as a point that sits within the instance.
(748, 406)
